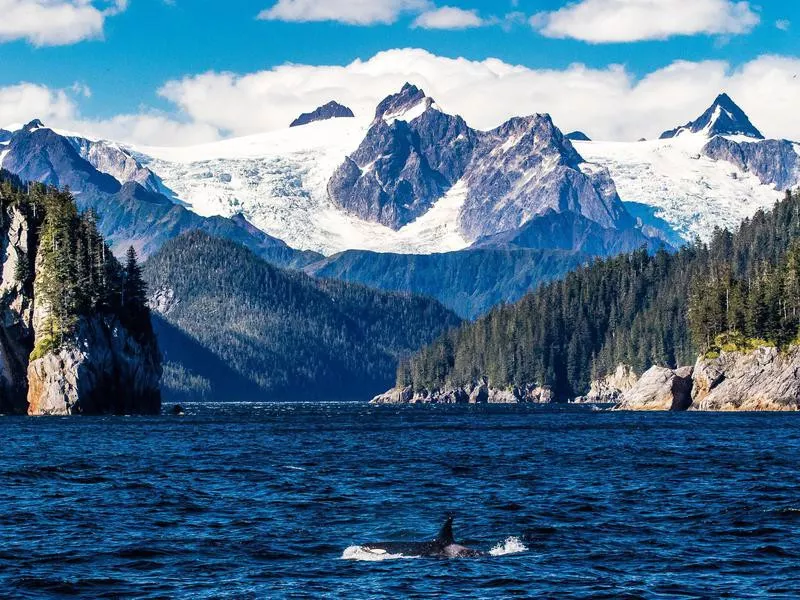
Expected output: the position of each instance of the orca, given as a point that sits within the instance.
(444, 546)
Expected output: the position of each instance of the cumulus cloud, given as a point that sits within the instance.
(783, 24)
(608, 103)
(605, 21)
(55, 22)
(22, 102)
(352, 12)
(449, 17)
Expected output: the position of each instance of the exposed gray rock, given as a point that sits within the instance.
(113, 160)
(526, 167)
(660, 389)
(414, 153)
(101, 370)
(774, 162)
(404, 164)
(611, 388)
(763, 380)
(394, 396)
(331, 110)
(578, 136)
(16, 308)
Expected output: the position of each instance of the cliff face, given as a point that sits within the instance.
(16, 308)
(103, 369)
(97, 364)
(765, 379)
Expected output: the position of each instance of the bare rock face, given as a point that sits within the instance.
(763, 380)
(102, 370)
(16, 308)
(660, 389)
(394, 396)
(611, 388)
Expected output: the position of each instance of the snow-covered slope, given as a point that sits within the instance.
(690, 191)
(278, 181)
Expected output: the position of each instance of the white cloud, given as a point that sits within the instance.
(609, 103)
(783, 24)
(25, 101)
(602, 21)
(55, 22)
(449, 17)
(352, 12)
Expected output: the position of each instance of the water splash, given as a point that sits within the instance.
(365, 554)
(512, 545)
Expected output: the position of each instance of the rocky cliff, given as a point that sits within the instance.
(765, 379)
(611, 388)
(16, 307)
(89, 352)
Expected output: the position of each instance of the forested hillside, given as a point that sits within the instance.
(234, 327)
(639, 309)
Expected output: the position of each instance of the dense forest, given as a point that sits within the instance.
(234, 327)
(77, 274)
(641, 309)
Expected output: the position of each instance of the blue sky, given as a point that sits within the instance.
(142, 44)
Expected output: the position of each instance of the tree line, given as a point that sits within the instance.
(72, 272)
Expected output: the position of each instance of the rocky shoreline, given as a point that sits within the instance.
(479, 392)
(765, 379)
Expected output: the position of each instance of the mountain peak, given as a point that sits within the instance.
(723, 117)
(331, 110)
(33, 125)
(578, 136)
(406, 105)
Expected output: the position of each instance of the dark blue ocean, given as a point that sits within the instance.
(263, 500)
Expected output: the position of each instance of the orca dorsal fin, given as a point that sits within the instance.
(446, 533)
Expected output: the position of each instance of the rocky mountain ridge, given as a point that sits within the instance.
(331, 110)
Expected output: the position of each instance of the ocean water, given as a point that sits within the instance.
(269, 501)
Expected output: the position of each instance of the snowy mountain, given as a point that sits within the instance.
(701, 176)
(723, 117)
(331, 110)
(128, 212)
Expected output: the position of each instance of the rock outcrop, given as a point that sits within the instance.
(103, 369)
(89, 358)
(774, 162)
(763, 380)
(660, 389)
(331, 110)
(479, 392)
(611, 388)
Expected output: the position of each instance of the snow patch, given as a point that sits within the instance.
(279, 180)
(692, 192)
(408, 114)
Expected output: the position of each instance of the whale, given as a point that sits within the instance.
(443, 546)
